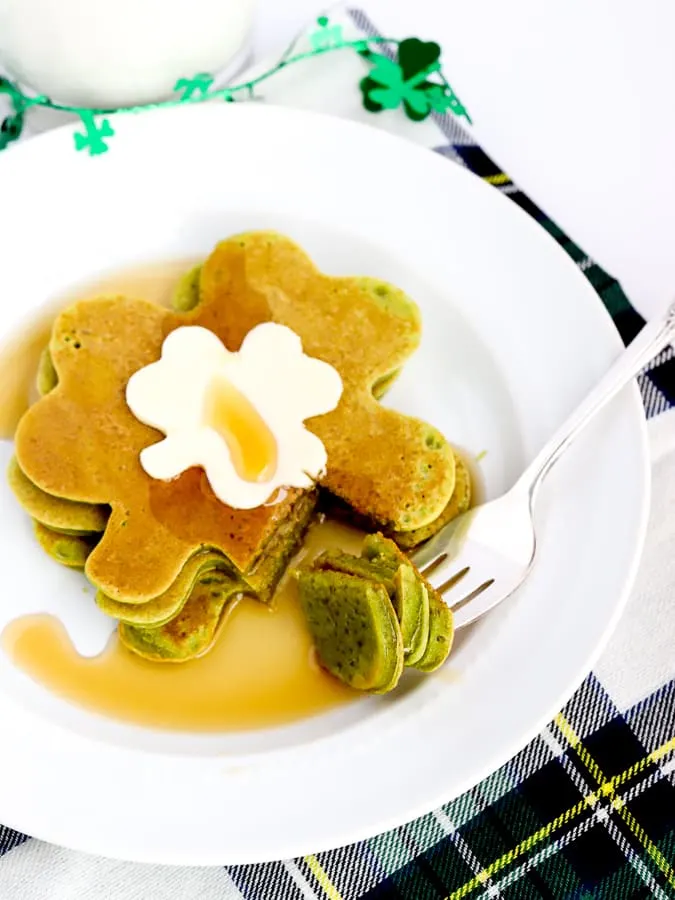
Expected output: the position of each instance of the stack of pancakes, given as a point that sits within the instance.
(169, 560)
(372, 615)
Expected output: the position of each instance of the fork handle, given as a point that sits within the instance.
(656, 335)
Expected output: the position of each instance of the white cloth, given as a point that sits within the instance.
(573, 100)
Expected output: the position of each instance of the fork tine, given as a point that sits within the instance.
(459, 604)
(451, 582)
(434, 565)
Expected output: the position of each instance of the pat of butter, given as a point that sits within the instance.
(239, 416)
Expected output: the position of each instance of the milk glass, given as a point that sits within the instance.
(110, 53)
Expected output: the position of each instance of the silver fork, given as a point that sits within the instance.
(489, 551)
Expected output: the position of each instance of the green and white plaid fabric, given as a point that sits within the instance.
(587, 810)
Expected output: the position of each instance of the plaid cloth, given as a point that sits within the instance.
(587, 810)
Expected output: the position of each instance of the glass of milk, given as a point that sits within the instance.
(111, 53)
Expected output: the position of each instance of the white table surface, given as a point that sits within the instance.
(574, 100)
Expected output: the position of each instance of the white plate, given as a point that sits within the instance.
(514, 336)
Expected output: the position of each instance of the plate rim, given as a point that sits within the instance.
(639, 423)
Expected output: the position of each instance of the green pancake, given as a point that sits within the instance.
(411, 603)
(335, 561)
(353, 596)
(186, 297)
(56, 513)
(260, 583)
(383, 551)
(68, 549)
(441, 629)
(383, 384)
(163, 608)
(193, 631)
(47, 378)
(459, 503)
(441, 633)
(186, 293)
(406, 591)
(354, 628)
(263, 577)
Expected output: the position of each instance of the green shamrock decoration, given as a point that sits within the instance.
(95, 134)
(199, 85)
(401, 80)
(12, 125)
(405, 81)
(326, 35)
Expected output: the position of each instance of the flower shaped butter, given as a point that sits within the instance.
(238, 416)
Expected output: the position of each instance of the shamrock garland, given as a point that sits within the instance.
(326, 35)
(198, 86)
(12, 125)
(406, 81)
(400, 79)
(95, 135)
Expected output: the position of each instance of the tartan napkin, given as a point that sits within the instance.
(587, 810)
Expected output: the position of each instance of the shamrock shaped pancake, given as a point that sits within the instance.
(82, 443)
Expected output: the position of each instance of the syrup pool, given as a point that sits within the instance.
(262, 671)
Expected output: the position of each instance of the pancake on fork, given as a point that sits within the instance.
(369, 616)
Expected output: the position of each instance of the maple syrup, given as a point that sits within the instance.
(262, 671)
(19, 357)
(252, 445)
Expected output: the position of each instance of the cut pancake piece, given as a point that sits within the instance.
(354, 628)
(68, 549)
(335, 561)
(263, 577)
(378, 548)
(405, 588)
(260, 583)
(441, 633)
(411, 603)
(56, 513)
(193, 631)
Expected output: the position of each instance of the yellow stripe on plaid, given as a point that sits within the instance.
(608, 790)
(547, 830)
(324, 881)
(501, 178)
